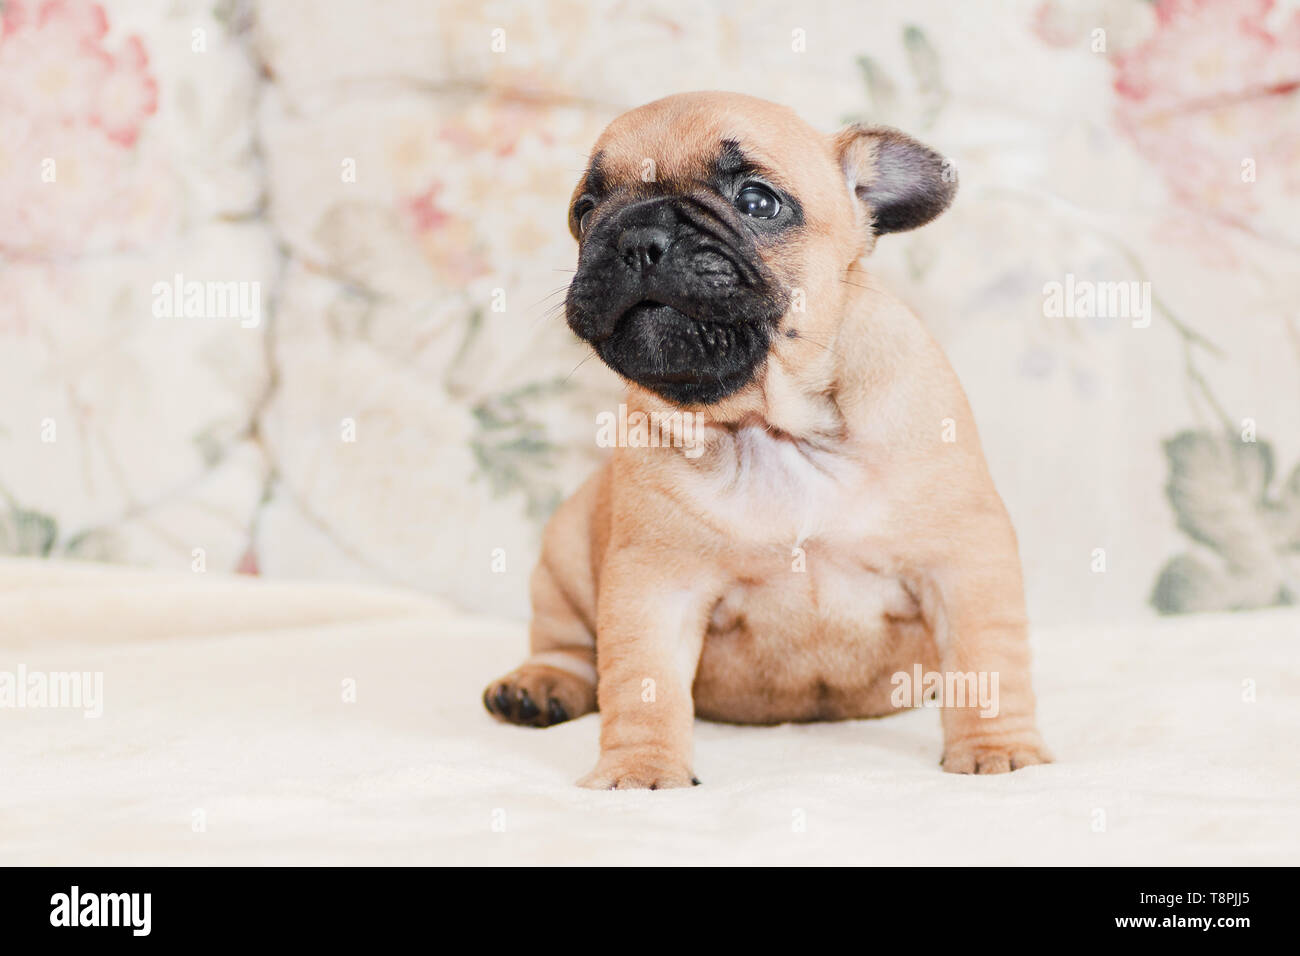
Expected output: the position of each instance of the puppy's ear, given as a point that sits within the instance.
(903, 183)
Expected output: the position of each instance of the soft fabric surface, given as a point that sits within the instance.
(223, 706)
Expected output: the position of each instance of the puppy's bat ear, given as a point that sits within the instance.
(903, 183)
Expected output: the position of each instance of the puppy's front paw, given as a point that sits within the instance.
(638, 770)
(539, 696)
(994, 756)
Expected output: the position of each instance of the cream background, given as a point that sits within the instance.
(175, 434)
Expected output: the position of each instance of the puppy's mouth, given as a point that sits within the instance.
(685, 359)
(647, 306)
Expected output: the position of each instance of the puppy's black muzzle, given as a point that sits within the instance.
(674, 297)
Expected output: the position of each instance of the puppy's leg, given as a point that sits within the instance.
(558, 680)
(978, 615)
(649, 632)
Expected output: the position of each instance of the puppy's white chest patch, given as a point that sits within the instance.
(769, 488)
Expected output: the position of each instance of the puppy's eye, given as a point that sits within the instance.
(582, 212)
(758, 201)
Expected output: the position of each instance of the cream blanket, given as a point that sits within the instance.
(252, 722)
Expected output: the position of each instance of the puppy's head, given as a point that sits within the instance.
(713, 225)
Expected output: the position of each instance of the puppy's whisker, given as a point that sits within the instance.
(547, 316)
(550, 295)
(589, 355)
(546, 312)
(805, 337)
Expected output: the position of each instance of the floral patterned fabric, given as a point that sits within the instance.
(393, 177)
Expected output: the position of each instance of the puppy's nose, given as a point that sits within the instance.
(642, 246)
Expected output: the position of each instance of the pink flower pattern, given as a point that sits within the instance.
(71, 112)
(1214, 88)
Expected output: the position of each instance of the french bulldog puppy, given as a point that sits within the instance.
(832, 522)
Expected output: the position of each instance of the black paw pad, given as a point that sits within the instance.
(527, 709)
(500, 702)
